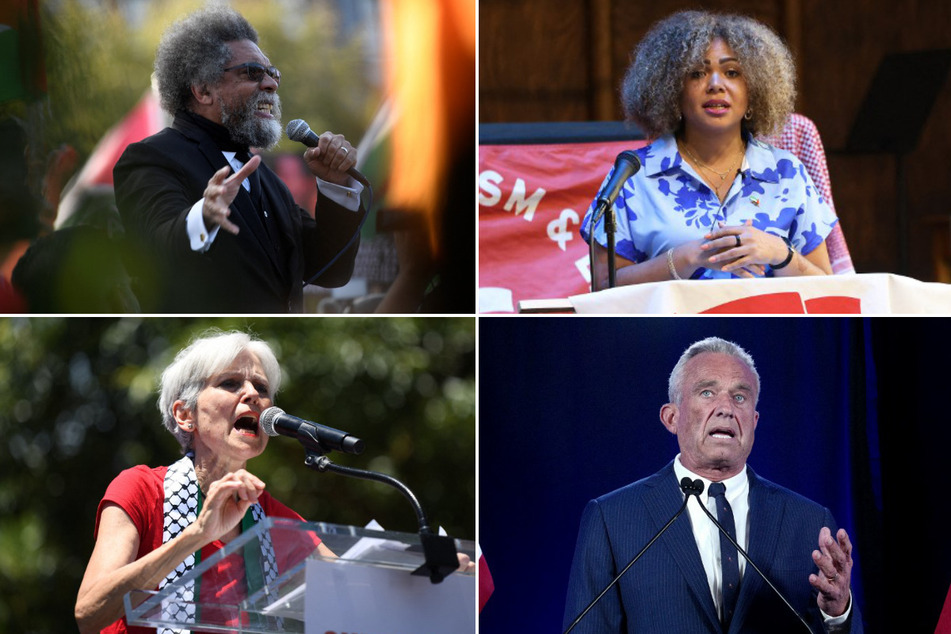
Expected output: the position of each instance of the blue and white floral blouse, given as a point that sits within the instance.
(666, 203)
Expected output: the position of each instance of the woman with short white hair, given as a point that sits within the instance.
(154, 524)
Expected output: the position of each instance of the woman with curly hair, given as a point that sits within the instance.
(710, 200)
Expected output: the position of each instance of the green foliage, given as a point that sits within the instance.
(77, 405)
(98, 66)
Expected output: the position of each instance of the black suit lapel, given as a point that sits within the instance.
(255, 236)
(765, 519)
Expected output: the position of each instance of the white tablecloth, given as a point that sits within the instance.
(868, 293)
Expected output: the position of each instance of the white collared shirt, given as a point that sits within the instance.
(706, 533)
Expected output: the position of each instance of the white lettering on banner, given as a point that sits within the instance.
(528, 205)
(490, 194)
(584, 266)
(559, 231)
(488, 183)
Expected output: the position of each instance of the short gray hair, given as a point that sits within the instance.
(195, 50)
(205, 357)
(675, 385)
(651, 90)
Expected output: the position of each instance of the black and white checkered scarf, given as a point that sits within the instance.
(181, 509)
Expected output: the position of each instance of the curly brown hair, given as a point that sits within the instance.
(652, 86)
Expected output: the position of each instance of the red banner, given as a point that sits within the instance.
(531, 202)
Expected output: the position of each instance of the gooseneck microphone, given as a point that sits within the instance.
(749, 561)
(625, 165)
(275, 421)
(439, 551)
(298, 130)
(694, 487)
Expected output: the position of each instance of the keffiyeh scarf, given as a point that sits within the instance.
(181, 508)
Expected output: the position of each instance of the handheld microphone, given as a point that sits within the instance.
(689, 488)
(275, 421)
(298, 130)
(747, 557)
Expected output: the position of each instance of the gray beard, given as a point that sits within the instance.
(247, 128)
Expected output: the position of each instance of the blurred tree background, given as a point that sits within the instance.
(77, 405)
(99, 58)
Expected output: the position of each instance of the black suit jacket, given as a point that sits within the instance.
(260, 270)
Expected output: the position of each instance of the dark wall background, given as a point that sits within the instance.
(563, 61)
(850, 415)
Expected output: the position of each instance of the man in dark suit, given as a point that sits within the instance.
(691, 579)
(224, 231)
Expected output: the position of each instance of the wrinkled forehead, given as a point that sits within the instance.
(717, 368)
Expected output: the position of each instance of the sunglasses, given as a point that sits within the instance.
(255, 71)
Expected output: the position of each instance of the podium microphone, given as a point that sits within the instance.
(625, 165)
(276, 421)
(689, 488)
(747, 557)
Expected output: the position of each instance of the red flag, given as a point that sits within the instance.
(145, 119)
(486, 585)
(944, 622)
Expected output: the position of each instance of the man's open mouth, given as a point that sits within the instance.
(722, 433)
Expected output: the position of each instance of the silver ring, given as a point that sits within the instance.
(738, 242)
(345, 150)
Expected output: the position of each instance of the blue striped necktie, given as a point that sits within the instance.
(730, 586)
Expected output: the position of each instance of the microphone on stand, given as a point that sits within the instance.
(689, 488)
(275, 421)
(625, 165)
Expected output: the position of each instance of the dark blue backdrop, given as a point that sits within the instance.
(568, 410)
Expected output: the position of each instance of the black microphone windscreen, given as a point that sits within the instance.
(691, 487)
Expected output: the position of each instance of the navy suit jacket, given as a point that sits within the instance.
(257, 271)
(667, 590)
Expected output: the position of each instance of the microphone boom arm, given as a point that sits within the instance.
(439, 551)
(688, 490)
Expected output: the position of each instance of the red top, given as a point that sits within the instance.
(140, 492)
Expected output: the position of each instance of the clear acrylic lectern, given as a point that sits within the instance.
(272, 579)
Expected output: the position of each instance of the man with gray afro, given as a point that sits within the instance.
(223, 231)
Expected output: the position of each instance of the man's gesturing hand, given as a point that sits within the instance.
(221, 192)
